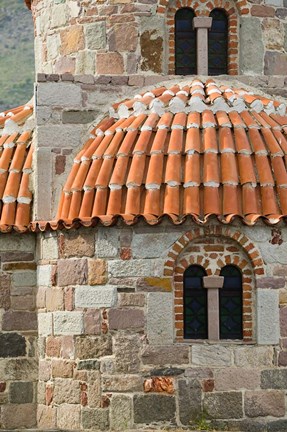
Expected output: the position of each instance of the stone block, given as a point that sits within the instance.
(66, 67)
(135, 268)
(68, 416)
(271, 282)
(19, 320)
(67, 136)
(236, 379)
(160, 322)
(61, 94)
(274, 379)
(53, 346)
(54, 299)
(24, 279)
(273, 34)
(159, 384)
(97, 272)
(131, 299)
(72, 271)
(62, 369)
(78, 244)
(166, 355)
(44, 370)
(5, 284)
(122, 383)
(211, 355)
(152, 245)
(26, 303)
(152, 284)
(46, 417)
(277, 3)
(96, 35)
(251, 54)
(108, 242)
(92, 322)
(19, 369)
(21, 392)
(151, 43)
(123, 37)
(223, 405)
(94, 390)
(44, 275)
(248, 357)
(89, 347)
(283, 321)
(96, 419)
(121, 412)
(45, 324)
(264, 403)
(95, 296)
(66, 323)
(121, 319)
(189, 401)
(277, 426)
(88, 365)
(72, 40)
(267, 317)
(12, 345)
(126, 350)
(151, 408)
(78, 117)
(66, 391)
(109, 63)
(19, 416)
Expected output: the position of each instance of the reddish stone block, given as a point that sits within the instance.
(283, 321)
(208, 385)
(53, 346)
(49, 394)
(72, 271)
(2, 387)
(92, 322)
(159, 385)
(19, 320)
(126, 318)
(270, 282)
(282, 359)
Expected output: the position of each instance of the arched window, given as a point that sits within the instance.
(218, 43)
(185, 42)
(195, 304)
(230, 304)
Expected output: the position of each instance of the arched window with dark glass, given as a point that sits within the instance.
(230, 304)
(185, 42)
(195, 304)
(218, 43)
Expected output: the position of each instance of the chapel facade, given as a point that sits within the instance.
(143, 220)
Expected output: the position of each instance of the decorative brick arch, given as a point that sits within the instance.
(176, 265)
(204, 9)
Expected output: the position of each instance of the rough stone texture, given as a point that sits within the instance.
(273, 33)
(107, 243)
(73, 271)
(251, 54)
(19, 416)
(236, 379)
(110, 63)
(161, 355)
(72, 40)
(68, 416)
(21, 392)
(93, 347)
(213, 355)
(19, 320)
(95, 419)
(189, 397)
(160, 321)
(260, 403)
(123, 37)
(277, 426)
(12, 345)
(59, 94)
(253, 356)
(122, 383)
(45, 324)
(95, 296)
(275, 63)
(274, 379)
(66, 391)
(151, 51)
(121, 319)
(97, 272)
(5, 291)
(77, 244)
(68, 323)
(46, 417)
(134, 268)
(223, 405)
(267, 317)
(154, 408)
(121, 412)
(96, 35)
(126, 350)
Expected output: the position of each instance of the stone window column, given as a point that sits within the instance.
(202, 25)
(213, 284)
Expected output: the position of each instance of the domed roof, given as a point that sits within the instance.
(16, 152)
(193, 150)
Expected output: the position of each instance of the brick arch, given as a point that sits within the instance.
(233, 10)
(176, 265)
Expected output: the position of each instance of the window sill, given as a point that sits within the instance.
(218, 342)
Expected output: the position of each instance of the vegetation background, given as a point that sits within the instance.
(16, 54)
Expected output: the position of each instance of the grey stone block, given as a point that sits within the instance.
(268, 330)
(277, 426)
(12, 345)
(152, 245)
(96, 35)
(63, 136)
(154, 408)
(121, 412)
(95, 296)
(166, 355)
(160, 322)
(126, 350)
(95, 419)
(211, 355)
(120, 319)
(264, 403)
(59, 94)
(251, 45)
(223, 405)
(189, 400)
(274, 379)
(78, 117)
(21, 392)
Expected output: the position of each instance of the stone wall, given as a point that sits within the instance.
(67, 105)
(18, 332)
(123, 37)
(108, 354)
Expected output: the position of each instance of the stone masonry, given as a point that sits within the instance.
(108, 355)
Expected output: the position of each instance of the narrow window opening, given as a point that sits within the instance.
(185, 42)
(230, 304)
(195, 304)
(218, 43)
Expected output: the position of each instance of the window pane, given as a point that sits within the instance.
(230, 304)
(195, 304)
(185, 43)
(218, 43)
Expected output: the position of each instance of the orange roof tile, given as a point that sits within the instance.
(192, 151)
(15, 168)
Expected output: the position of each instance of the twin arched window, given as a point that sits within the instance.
(185, 43)
(196, 304)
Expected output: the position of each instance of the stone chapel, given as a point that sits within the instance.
(143, 205)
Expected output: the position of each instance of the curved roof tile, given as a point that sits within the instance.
(196, 151)
(16, 151)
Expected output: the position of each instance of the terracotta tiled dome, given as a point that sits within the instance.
(15, 168)
(192, 150)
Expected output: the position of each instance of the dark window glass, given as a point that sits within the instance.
(185, 43)
(195, 304)
(230, 304)
(218, 43)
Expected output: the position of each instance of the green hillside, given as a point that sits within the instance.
(16, 54)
